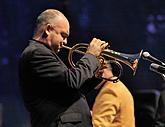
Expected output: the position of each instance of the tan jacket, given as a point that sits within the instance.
(113, 107)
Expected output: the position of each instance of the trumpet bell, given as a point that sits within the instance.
(131, 60)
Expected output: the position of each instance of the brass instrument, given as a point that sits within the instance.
(129, 59)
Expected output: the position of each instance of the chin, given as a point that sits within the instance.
(56, 50)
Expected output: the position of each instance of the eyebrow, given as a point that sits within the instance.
(65, 34)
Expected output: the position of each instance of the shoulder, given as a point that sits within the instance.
(35, 48)
(117, 88)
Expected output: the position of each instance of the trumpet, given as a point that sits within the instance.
(130, 60)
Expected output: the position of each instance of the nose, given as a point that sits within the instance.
(65, 41)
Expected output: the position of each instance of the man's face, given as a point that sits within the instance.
(59, 33)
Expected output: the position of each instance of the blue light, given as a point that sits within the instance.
(4, 61)
(84, 19)
(151, 28)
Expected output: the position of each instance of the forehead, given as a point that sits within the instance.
(63, 24)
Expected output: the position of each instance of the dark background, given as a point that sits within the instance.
(130, 25)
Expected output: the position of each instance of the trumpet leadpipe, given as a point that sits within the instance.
(77, 51)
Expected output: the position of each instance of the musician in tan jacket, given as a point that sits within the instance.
(114, 105)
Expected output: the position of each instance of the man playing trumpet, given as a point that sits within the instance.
(51, 91)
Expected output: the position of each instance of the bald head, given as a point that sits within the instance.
(47, 17)
(52, 29)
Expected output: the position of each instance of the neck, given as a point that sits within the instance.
(41, 41)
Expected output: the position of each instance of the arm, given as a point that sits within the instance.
(41, 66)
(47, 65)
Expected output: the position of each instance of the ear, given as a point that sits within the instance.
(48, 29)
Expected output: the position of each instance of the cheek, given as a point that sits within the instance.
(57, 39)
(56, 42)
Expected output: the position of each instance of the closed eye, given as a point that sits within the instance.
(64, 35)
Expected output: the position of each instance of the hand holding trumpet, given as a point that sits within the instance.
(96, 46)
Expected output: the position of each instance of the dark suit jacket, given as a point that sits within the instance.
(51, 91)
(160, 114)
